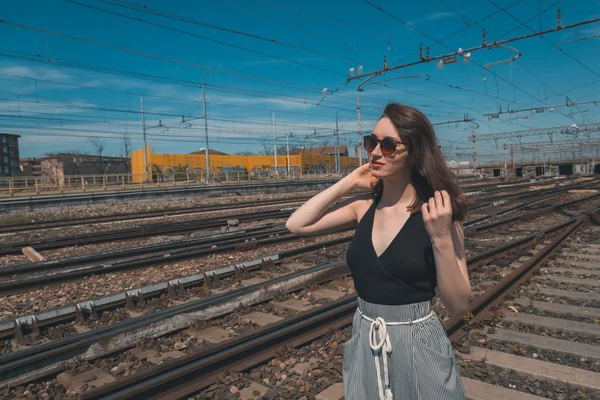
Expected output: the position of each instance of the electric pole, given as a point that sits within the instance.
(287, 147)
(337, 145)
(504, 160)
(360, 152)
(206, 158)
(274, 140)
(512, 157)
(145, 145)
(474, 153)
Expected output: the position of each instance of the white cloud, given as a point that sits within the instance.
(37, 72)
(434, 16)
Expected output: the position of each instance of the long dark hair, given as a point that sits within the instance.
(429, 172)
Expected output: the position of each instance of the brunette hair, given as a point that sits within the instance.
(429, 170)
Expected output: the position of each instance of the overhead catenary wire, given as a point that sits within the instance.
(476, 109)
(177, 99)
(156, 12)
(457, 32)
(495, 44)
(185, 19)
(546, 40)
(68, 64)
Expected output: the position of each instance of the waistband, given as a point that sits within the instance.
(403, 312)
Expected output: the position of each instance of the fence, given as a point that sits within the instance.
(29, 185)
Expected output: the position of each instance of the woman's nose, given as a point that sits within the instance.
(377, 150)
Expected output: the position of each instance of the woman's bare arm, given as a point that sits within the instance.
(316, 217)
(447, 238)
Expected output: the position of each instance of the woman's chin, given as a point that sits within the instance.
(377, 172)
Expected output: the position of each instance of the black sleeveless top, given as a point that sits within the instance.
(405, 271)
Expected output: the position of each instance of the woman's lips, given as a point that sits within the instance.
(376, 165)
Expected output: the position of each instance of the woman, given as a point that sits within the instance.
(408, 241)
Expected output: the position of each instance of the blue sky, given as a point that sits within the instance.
(75, 70)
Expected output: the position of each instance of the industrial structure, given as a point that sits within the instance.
(233, 166)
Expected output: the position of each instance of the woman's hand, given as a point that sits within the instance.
(362, 178)
(437, 215)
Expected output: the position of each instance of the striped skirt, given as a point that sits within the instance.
(400, 353)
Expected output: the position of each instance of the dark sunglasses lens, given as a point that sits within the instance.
(388, 146)
(370, 143)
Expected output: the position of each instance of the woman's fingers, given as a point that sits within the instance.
(439, 202)
(432, 208)
(447, 202)
(425, 211)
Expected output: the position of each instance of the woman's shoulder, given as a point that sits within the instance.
(361, 204)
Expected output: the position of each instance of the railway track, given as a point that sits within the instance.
(41, 201)
(190, 374)
(206, 223)
(121, 217)
(13, 228)
(142, 231)
(514, 250)
(24, 277)
(534, 244)
(544, 340)
(30, 275)
(137, 299)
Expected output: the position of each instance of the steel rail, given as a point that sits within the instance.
(130, 252)
(42, 200)
(20, 284)
(142, 231)
(15, 326)
(190, 374)
(37, 357)
(14, 363)
(455, 327)
(12, 228)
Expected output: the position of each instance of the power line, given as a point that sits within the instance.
(178, 99)
(164, 14)
(505, 10)
(564, 130)
(454, 54)
(542, 109)
(299, 28)
(546, 40)
(457, 32)
(209, 39)
(118, 72)
(158, 57)
(329, 21)
(551, 6)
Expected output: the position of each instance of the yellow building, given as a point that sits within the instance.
(234, 166)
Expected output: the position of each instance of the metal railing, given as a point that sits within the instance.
(36, 185)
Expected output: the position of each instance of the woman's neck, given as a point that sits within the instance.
(398, 191)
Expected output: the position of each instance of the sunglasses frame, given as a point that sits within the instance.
(379, 142)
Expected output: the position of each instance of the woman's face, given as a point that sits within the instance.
(387, 165)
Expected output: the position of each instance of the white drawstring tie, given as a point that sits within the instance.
(380, 340)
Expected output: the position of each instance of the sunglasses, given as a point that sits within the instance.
(388, 144)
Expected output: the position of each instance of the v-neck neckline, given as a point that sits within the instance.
(393, 239)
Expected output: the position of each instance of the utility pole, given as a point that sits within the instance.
(337, 145)
(504, 160)
(274, 141)
(360, 152)
(206, 158)
(287, 147)
(580, 160)
(474, 152)
(145, 145)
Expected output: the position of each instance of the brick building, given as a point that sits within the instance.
(56, 167)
